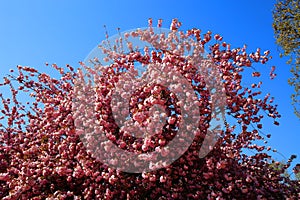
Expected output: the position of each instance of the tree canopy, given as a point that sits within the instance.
(286, 26)
(43, 154)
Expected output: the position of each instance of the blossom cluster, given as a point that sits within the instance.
(44, 155)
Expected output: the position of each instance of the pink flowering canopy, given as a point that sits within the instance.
(66, 142)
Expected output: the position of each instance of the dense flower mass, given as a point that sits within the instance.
(43, 155)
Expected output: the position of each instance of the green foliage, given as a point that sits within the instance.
(297, 176)
(286, 16)
(297, 172)
(280, 167)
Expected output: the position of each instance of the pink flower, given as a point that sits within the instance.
(4, 177)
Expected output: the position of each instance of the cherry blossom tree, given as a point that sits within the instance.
(43, 156)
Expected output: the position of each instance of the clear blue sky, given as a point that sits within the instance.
(64, 32)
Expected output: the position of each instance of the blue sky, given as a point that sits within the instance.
(33, 32)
